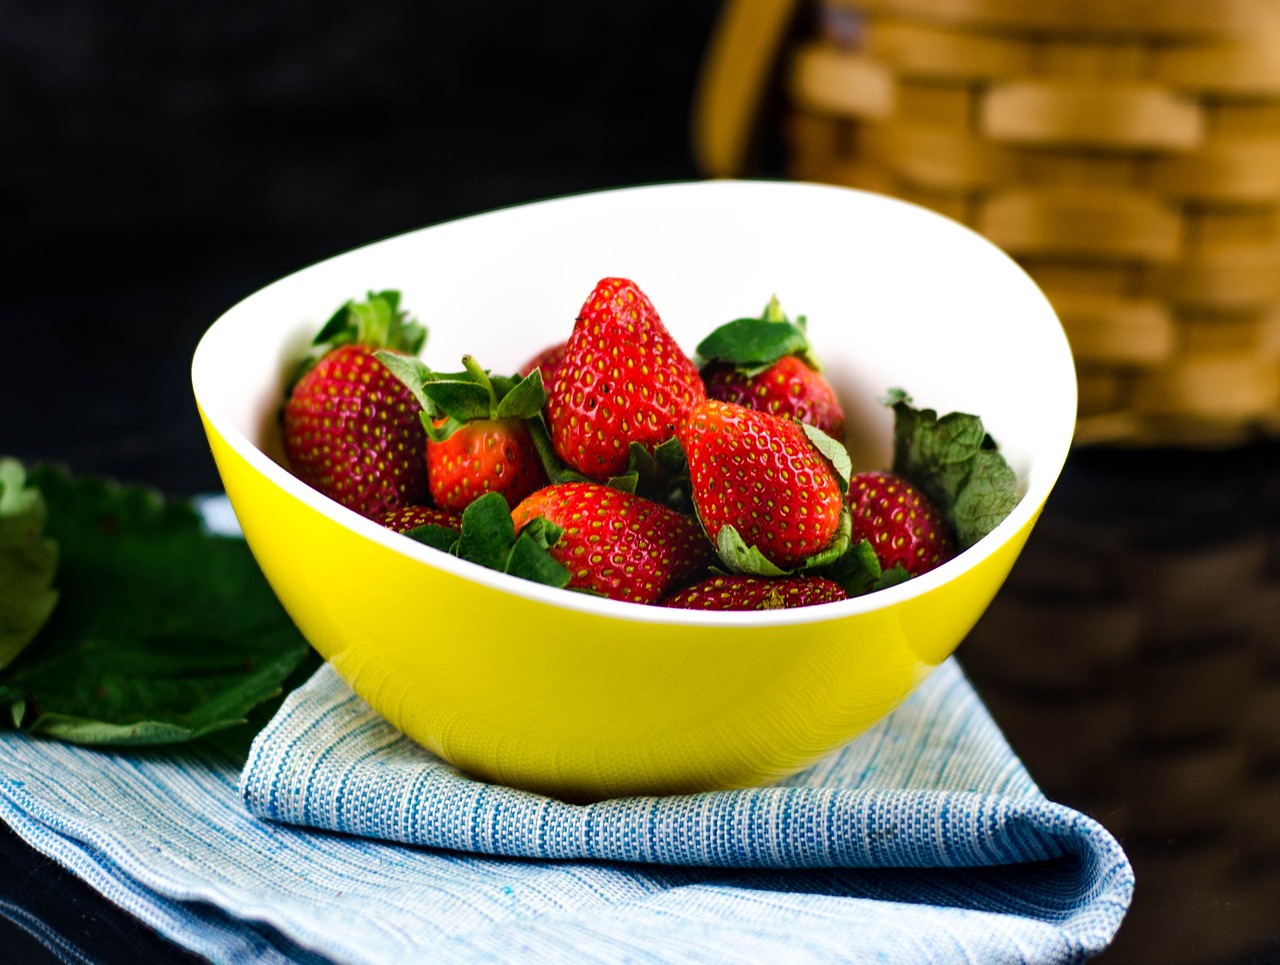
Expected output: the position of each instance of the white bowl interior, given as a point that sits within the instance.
(895, 295)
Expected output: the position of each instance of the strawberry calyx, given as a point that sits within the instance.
(377, 322)
(754, 344)
(832, 450)
(747, 560)
(858, 570)
(487, 537)
(660, 474)
(451, 400)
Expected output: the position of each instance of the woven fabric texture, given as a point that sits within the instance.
(340, 841)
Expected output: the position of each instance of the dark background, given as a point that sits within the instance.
(162, 161)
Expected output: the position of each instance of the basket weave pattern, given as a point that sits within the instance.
(1133, 661)
(1132, 168)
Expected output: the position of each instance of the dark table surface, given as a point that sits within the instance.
(162, 163)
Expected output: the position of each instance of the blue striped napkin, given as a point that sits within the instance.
(340, 841)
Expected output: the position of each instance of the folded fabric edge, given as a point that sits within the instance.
(866, 831)
(197, 926)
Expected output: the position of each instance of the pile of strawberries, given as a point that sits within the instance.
(613, 463)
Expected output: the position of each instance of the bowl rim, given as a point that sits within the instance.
(1033, 495)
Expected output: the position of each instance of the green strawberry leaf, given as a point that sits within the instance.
(753, 344)
(28, 562)
(459, 399)
(162, 633)
(529, 558)
(552, 464)
(833, 451)
(738, 557)
(520, 398)
(488, 538)
(411, 371)
(487, 533)
(858, 570)
(741, 558)
(455, 398)
(626, 483)
(434, 535)
(671, 459)
(377, 322)
(956, 464)
(838, 546)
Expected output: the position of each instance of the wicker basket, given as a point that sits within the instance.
(1127, 153)
(1133, 661)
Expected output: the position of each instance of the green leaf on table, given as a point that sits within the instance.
(28, 562)
(956, 464)
(163, 632)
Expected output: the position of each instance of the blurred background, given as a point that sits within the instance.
(162, 163)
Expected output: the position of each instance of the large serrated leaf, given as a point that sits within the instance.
(28, 562)
(162, 633)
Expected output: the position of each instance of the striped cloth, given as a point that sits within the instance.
(340, 841)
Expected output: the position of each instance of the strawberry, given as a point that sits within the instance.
(407, 518)
(350, 429)
(622, 380)
(546, 360)
(477, 427)
(766, 363)
(902, 525)
(745, 592)
(618, 544)
(483, 455)
(759, 480)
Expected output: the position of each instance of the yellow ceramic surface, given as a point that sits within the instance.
(582, 697)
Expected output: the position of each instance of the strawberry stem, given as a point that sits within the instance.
(481, 377)
(552, 465)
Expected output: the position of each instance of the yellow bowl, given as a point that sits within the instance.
(582, 697)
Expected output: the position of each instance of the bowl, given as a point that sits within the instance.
(581, 697)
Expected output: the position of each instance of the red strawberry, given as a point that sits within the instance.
(618, 544)
(766, 363)
(900, 522)
(788, 387)
(351, 429)
(743, 592)
(622, 379)
(546, 360)
(477, 425)
(762, 476)
(411, 517)
(481, 456)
